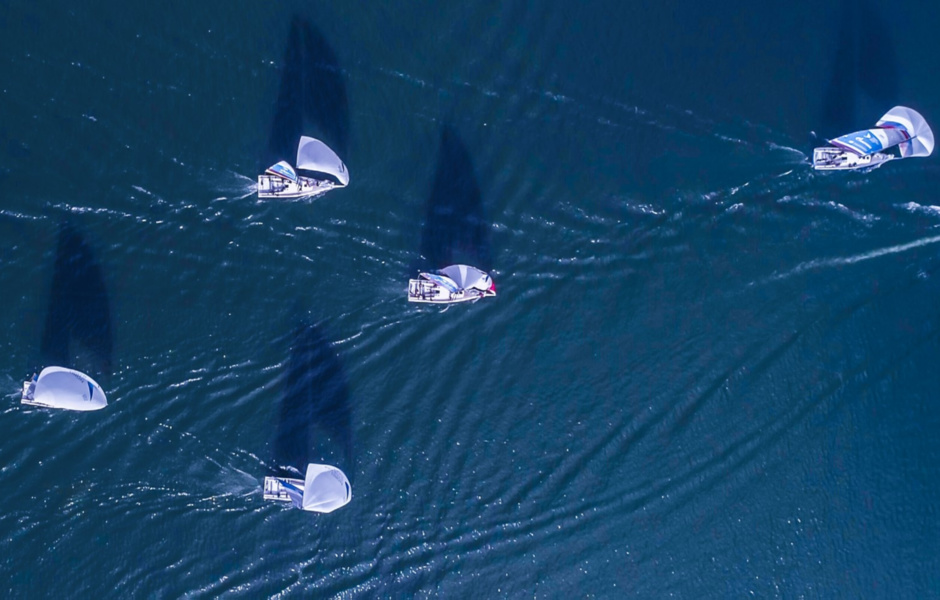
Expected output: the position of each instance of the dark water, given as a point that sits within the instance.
(709, 371)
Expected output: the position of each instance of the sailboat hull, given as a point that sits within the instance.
(428, 292)
(836, 159)
(272, 186)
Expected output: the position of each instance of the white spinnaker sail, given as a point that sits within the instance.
(326, 488)
(59, 387)
(468, 277)
(314, 155)
(921, 143)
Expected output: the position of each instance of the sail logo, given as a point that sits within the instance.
(864, 139)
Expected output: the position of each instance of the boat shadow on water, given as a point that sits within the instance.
(315, 415)
(78, 328)
(865, 79)
(311, 96)
(455, 229)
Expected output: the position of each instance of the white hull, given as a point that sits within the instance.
(273, 490)
(27, 396)
(836, 159)
(428, 292)
(272, 186)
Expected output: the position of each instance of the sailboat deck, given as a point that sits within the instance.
(423, 290)
(272, 186)
(836, 159)
(273, 490)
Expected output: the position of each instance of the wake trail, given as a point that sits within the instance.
(851, 260)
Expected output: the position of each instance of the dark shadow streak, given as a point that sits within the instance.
(455, 228)
(864, 72)
(311, 96)
(315, 417)
(79, 310)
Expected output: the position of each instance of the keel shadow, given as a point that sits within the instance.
(864, 80)
(311, 96)
(455, 229)
(78, 328)
(315, 415)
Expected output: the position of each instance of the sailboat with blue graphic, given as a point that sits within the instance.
(328, 172)
(324, 489)
(58, 387)
(901, 133)
(456, 283)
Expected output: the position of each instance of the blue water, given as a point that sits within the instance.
(709, 371)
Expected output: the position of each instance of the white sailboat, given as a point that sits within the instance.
(280, 180)
(901, 133)
(456, 283)
(324, 489)
(58, 387)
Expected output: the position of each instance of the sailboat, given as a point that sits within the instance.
(281, 180)
(901, 133)
(58, 387)
(324, 489)
(456, 283)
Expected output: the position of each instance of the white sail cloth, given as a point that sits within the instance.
(314, 155)
(467, 277)
(58, 387)
(326, 488)
(921, 142)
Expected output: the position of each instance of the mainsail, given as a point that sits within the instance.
(870, 141)
(900, 126)
(295, 494)
(314, 155)
(283, 169)
(445, 282)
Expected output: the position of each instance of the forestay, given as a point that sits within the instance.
(314, 155)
